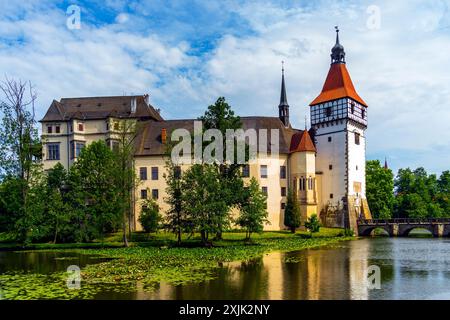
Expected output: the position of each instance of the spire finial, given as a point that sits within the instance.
(337, 53)
(282, 67)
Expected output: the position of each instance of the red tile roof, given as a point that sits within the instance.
(301, 141)
(338, 85)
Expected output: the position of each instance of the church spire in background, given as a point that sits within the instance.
(283, 107)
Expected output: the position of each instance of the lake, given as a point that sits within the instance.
(410, 268)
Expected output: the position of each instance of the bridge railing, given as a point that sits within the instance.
(403, 221)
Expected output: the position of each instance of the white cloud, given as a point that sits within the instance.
(122, 18)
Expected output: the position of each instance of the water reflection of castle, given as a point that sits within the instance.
(306, 275)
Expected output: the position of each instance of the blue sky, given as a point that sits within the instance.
(187, 53)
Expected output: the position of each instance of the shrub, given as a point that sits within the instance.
(150, 218)
(313, 224)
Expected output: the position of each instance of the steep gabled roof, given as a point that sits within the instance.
(148, 141)
(88, 108)
(54, 112)
(338, 85)
(301, 142)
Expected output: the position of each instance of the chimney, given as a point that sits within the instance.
(146, 99)
(133, 104)
(164, 135)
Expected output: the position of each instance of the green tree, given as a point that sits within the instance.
(125, 172)
(313, 224)
(94, 190)
(11, 203)
(20, 151)
(380, 189)
(202, 199)
(292, 215)
(417, 194)
(176, 217)
(150, 218)
(443, 196)
(58, 208)
(411, 205)
(220, 116)
(253, 212)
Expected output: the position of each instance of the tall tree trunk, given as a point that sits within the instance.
(125, 240)
(179, 237)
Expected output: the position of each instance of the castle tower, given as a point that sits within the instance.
(339, 120)
(302, 167)
(283, 107)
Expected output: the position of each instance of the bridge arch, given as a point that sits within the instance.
(366, 231)
(404, 231)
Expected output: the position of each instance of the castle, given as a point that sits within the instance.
(325, 164)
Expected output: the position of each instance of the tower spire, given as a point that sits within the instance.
(337, 52)
(283, 107)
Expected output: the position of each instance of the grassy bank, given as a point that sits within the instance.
(153, 259)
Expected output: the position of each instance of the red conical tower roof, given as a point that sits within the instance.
(301, 141)
(338, 85)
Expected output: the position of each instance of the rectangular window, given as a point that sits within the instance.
(310, 183)
(283, 191)
(78, 147)
(144, 194)
(143, 173)
(49, 129)
(155, 194)
(115, 145)
(329, 139)
(264, 171)
(282, 172)
(53, 151)
(246, 171)
(328, 112)
(80, 127)
(116, 126)
(57, 129)
(107, 126)
(264, 190)
(283, 206)
(331, 196)
(357, 135)
(330, 167)
(154, 173)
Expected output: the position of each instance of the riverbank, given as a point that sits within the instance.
(153, 259)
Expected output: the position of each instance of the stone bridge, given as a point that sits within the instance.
(439, 227)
